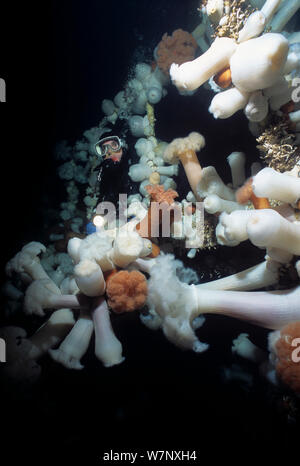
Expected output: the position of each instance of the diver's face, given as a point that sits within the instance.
(112, 151)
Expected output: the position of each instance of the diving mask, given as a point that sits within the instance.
(106, 147)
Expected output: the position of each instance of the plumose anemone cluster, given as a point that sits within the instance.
(93, 266)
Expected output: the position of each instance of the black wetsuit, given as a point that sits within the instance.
(114, 179)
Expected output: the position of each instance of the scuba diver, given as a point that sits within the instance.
(113, 173)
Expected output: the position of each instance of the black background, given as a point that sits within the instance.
(59, 60)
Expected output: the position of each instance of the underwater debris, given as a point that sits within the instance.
(209, 233)
(277, 146)
(237, 11)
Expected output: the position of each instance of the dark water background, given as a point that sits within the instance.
(60, 59)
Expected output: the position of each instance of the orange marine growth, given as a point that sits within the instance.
(155, 251)
(158, 196)
(177, 48)
(127, 291)
(223, 78)
(288, 364)
(245, 193)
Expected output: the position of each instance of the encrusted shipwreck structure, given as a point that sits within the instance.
(95, 265)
